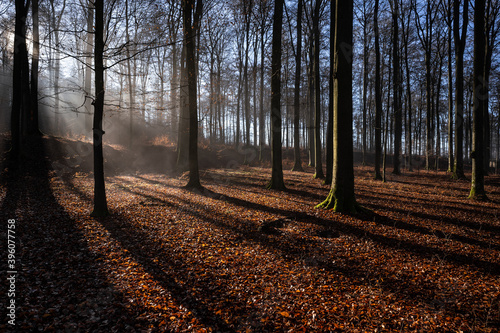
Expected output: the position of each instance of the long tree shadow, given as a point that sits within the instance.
(165, 266)
(418, 249)
(298, 248)
(59, 284)
(162, 263)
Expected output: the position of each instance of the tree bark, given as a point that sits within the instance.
(398, 121)
(317, 95)
(458, 172)
(100, 204)
(88, 68)
(477, 185)
(20, 83)
(131, 90)
(276, 182)
(247, 9)
(451, 159)
(33, 123)
(365, 80)
(183, 133)
(261, 102)
(341, 197)
(409, 134)
(378, 97)
(331, 102)
(296, 102)
(190, 35)
(312, 151)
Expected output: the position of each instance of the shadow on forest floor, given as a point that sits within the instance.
(168, 259)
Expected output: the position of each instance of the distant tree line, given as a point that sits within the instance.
(405, 79)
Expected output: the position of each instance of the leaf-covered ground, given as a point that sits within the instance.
(240, 258)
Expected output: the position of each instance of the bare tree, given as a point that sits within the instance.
(296, 101)
(378, 96)
(477, 185)
(317, 93)
(100, 203)
(460, 39)
(341, 197)
(191, 27)
(276, 182)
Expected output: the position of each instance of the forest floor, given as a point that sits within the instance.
(239, 258)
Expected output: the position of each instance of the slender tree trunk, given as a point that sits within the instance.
(248, 9)
(183, 133)
(238, 109)
(56, 22)
(378, 97)
(174, 84)
(436, 108)
(211, 99)
(451, 159)
(398, 120)
(131, 91)
(262, 121)
(100, 204)
(254, 76)
(296, 101)
(477, 185)
(331, 102)
(276, 181)
(458, 172)
(409, 134)
(341, 197)
(490, 39)
(312, 151)
(88, 67)
(365, 80)
(386, 123)
(317, 95)
(428, 99)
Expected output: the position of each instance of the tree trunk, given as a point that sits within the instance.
(341, 197)
(33, 122)
(409, 134)
(20, 85)
(451, 159)
(458, 172)
(174, 83)
(183, 133)
(56, 23)
(276, 181)
(88, 68)
(331, 102)
(428, 99)
(317, 95)
(248, 8)
(436, 108)
(296, 101)
(398, 120)
(378, 97)
(100, 204)
(190, 35)
(477, 185)
(365, 79)
(262, 122)
(312, 151)
(131, 91)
